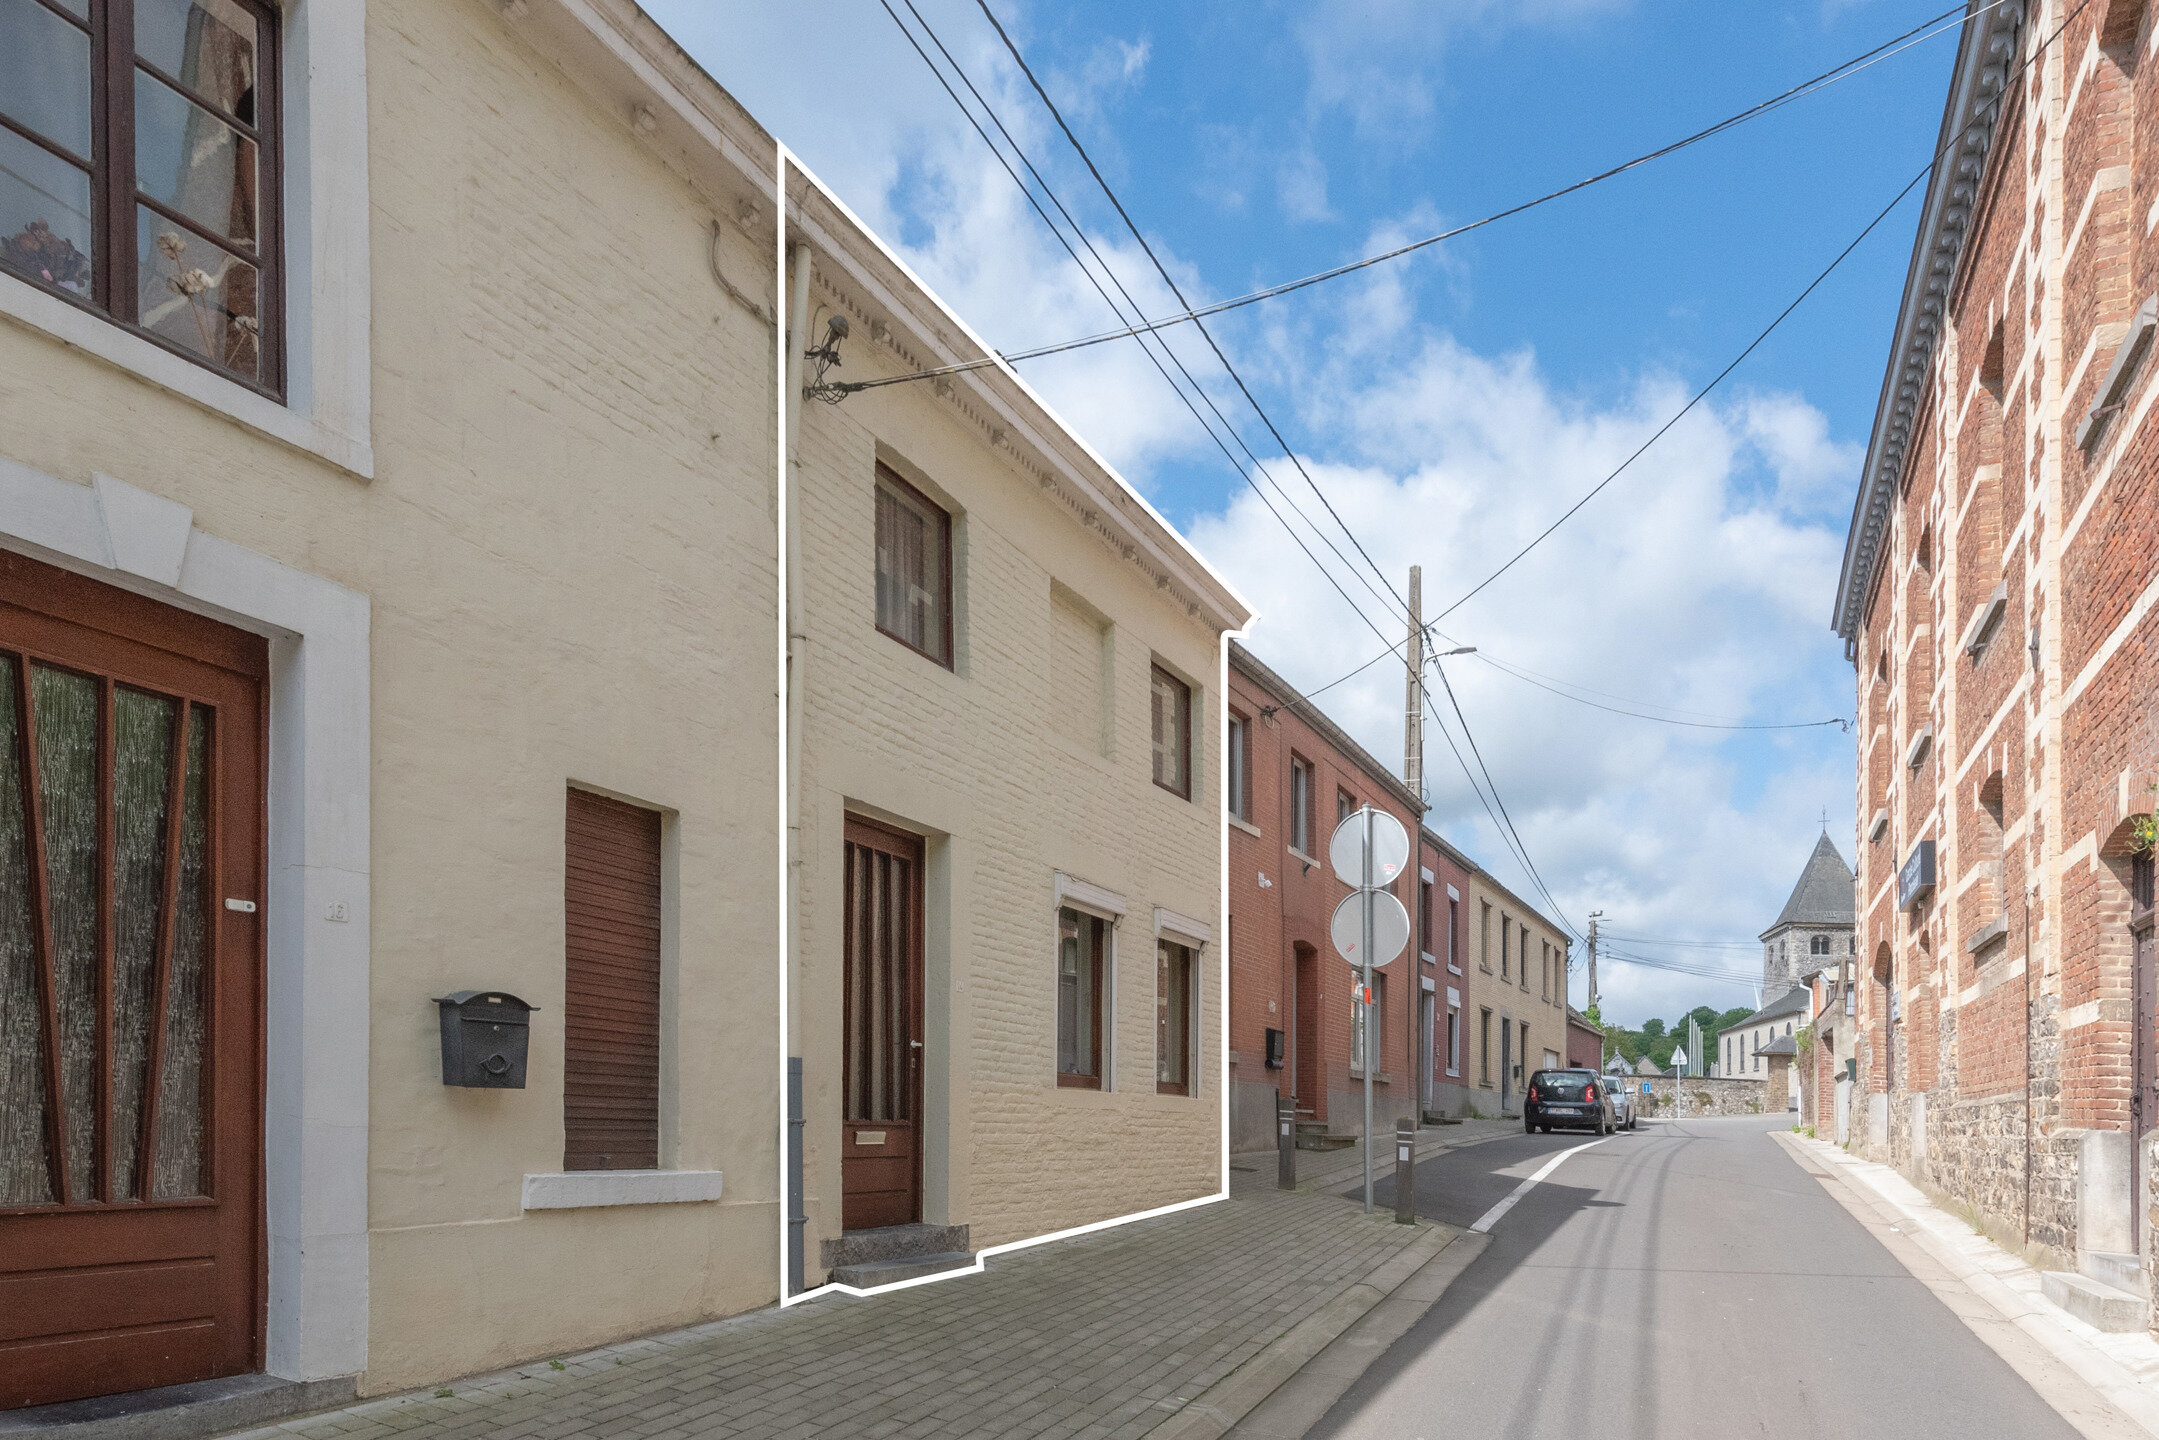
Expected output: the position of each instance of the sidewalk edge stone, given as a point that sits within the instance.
(1213, 1412)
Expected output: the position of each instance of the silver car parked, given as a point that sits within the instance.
(1624, 1099)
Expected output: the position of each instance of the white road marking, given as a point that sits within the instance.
(1486, 1221)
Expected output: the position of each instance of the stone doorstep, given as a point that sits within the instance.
(910, 1267)
(2101, 1306)
(892, 1242)
(178, 1412)
(2123, 1272)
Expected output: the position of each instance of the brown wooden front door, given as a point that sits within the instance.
(881, 1009)
(131, 891)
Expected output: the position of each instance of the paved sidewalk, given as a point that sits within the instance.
(1104, 1335)
(2123, 1369)
(1330, 1169)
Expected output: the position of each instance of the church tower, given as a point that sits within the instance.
(1816, 926)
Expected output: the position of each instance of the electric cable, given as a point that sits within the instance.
(1327, 574)
(1754, 344)
(1661, 719)
(1892, 46)
(1040, 180)
(1171, 281)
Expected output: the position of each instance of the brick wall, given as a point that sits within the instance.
(2012, 978)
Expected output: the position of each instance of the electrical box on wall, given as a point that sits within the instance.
(1277, 1048)
(485, 1034)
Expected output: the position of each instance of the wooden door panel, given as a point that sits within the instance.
(881, 1028)
(105, 1297)
(139, 1358)
(131, 810)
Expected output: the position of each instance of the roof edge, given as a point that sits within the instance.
(1978, 84)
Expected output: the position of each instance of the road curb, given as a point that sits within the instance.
(1381, 1169)
(1304, 1362)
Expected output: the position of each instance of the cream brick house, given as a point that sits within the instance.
(401, 536)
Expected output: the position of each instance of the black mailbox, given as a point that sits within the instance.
(1277, 1048)
(484, 1036)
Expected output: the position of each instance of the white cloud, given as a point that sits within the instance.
(1699, 581)
(1379, 61)
(1301, 186)
(1690, 584)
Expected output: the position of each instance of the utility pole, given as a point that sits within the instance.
(1594, 916)
(1413, 777)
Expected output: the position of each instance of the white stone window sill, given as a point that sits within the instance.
(1300, 856)
(1245, 825)
(99, 337)
(588, 1189)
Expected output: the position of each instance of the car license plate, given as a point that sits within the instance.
(1566, 1109)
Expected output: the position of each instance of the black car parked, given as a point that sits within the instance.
(1557, 1098)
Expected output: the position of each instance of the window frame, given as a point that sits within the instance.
(1185, 1085)
(1238, 741)
(1159, 672)
(1104, 936)
(886, 475)
(1454, 1040)
(1484, 1046)
(1300, 805)
(1345, 804)
(110, 33)
(1506, 943)
(1369, 1018)
(1454, 932)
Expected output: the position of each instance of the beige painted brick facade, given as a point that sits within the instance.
(562, 520)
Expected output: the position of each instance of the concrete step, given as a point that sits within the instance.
(2123, 1272)
(2100, 1306)
(177, 1412)
(1314, 1135)
(884, 1272)
(893, 1242)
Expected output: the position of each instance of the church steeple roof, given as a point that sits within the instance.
(1824, 894)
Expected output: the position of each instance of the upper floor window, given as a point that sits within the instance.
(1300, 805)
(1506, 943)
(1240, 767)
(1345, 805)
(1172, 727)
(139, 170)
(914, 568)
(1819, 945)
(1454, 932)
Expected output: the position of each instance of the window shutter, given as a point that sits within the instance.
(611, 1001)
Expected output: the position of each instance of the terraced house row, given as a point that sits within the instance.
(481, 754)
(1997, 1028)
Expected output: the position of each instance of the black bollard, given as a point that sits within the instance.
(1405, 1172)
(1285, 1140)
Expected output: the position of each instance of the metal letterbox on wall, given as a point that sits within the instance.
(484, 1038)
(1277, 1048)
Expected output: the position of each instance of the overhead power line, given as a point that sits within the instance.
(1100, 289)
(1171, 281)
(1767, 330)
(1892, 46)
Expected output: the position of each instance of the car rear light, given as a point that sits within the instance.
(1589, 1092)
(1533, 1093)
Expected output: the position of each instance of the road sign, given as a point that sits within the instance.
(1679, 1061)
(1390, 848)
(1390, 928)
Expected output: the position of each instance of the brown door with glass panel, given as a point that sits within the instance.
(131, 863)
(881, 1016)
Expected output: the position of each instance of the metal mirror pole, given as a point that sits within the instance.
(1364, 998)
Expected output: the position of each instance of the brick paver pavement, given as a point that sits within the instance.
(1103, 1335)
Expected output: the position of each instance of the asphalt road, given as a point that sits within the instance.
(1687, 1280)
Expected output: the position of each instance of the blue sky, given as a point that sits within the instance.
(1454, 402)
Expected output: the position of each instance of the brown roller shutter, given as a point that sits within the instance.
(611, 1044)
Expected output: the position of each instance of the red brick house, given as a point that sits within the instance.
(1585, 1042)
(1456, 1028)
(2000, 603)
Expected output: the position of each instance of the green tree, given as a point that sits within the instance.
(1652, 1029)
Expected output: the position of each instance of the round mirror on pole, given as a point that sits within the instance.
(1390, 927)
(1390, 848)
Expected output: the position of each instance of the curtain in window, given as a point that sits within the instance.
(1079, 961)
(910, 570)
